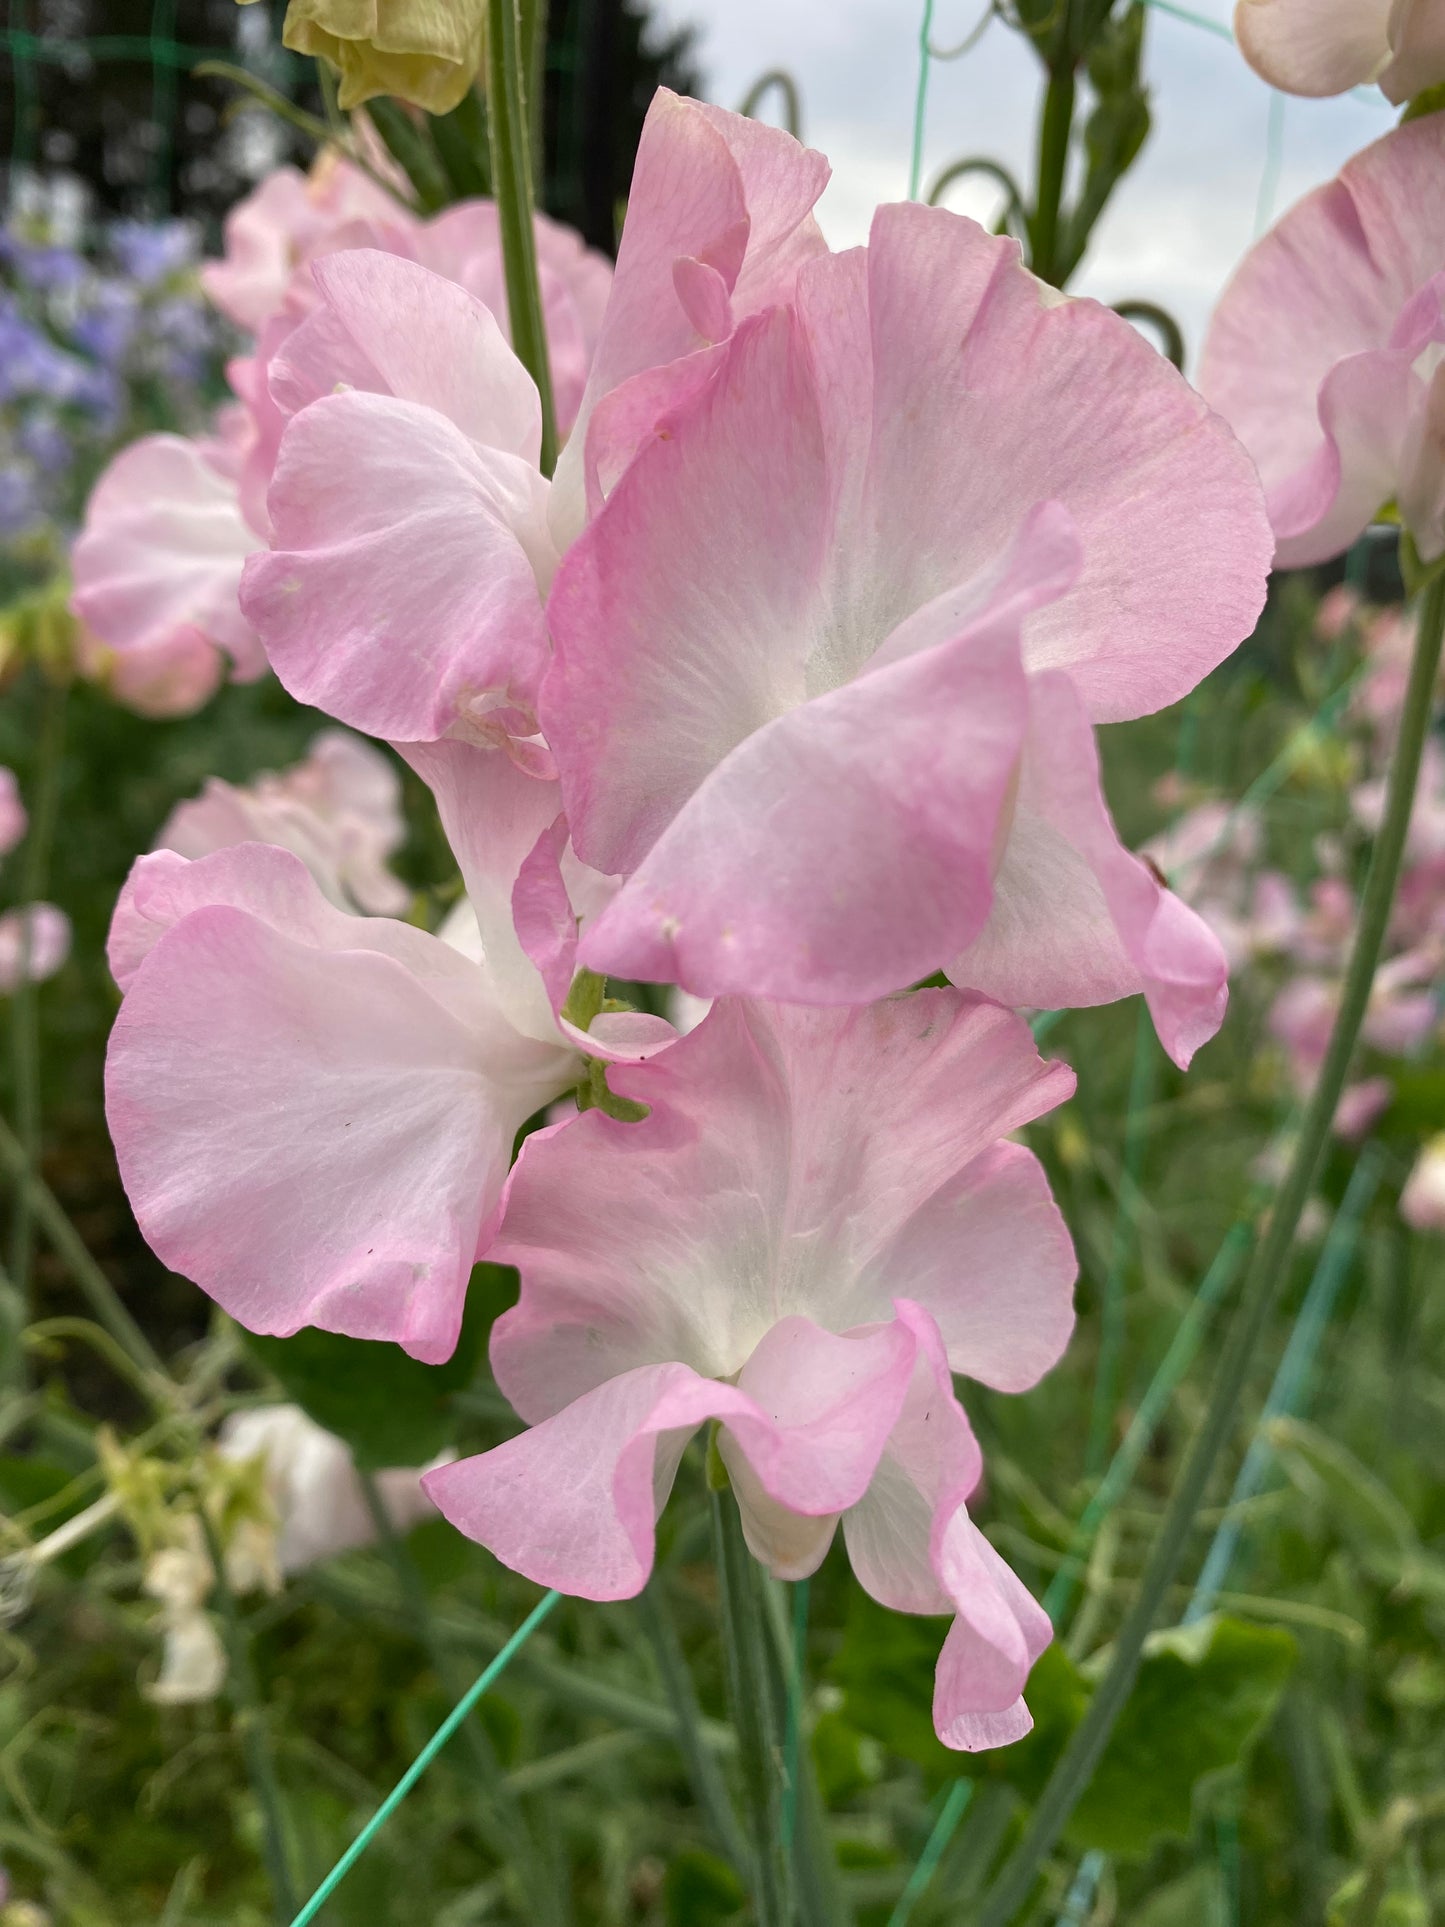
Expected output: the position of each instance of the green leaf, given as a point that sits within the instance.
(1197, 1899)
(700, 1890)
(389, 1408)
(885, 1667)
(1203, 1694)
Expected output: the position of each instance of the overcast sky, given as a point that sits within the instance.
(1185, 213)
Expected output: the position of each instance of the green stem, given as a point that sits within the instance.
(532, 17)
(708, 1785)
(1056, 127)
(251, 1723)
(753, 1692)
(512, 186)
(25, 1017)
(502, 1823)
(1263, 1283)
(821, 1901)
(96, 1287)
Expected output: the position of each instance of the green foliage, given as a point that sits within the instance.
(389, 1408)
(699, 1890)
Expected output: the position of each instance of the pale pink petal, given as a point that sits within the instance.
(573, 1502)
(708, 188)
(159, 559)
(371, 1097)
(171, 677)
(1417, 43)
(401, 595)
(785, 1149)
(1312, 354)
(1077, 920)
(999, 1632)
(13, 820)
(1314, 47)
(34, 943)
(390, 327)
(991, 395)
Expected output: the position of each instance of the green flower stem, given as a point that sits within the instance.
(708, 1784)
(1263, 1283)
(501, 1822)
(255, 1734)
(1056, 126)
(96, 1287)
(752, 1689)
(821, 1901)
(512, 186)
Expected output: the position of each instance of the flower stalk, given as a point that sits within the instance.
(1263, 1283)
(508, 122)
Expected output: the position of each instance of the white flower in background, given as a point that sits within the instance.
(1422, 1202)
(193, 1659)
(312, 1481)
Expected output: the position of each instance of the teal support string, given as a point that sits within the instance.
(920, 104)
(450, 1725)
(944, 1828)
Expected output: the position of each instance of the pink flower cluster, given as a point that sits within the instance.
(35, 938)
(782, 692)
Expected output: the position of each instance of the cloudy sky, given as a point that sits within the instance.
(1185, 213)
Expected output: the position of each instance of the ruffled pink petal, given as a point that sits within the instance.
(390, 327)
(998, 1633)
(159, 560)
(1077, 920)
(401, 595)
(573, 1502)
(1314, 47)
(372, 1095)
(991, 394)
(1309, 354)
(788, 1148)
(708, 187)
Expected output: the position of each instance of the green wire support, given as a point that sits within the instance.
(452, 1724)
(920, 102)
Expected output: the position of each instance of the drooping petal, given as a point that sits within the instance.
(1077, 919)
(371, 1098)
(998, 1633)
(785, 1149)
(1314, 47)
(401, 594)
(159, 559)
(573, 1502)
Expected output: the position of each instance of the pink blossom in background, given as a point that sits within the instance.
(818, 1222)
(1318, 47)
(314, 1488)
(374, 1076)
(1426, 837)
(1422, 1202)
(339, 810)
(34, 944)
(932, 490)
(13, 820)
(1327, 352)
(158, 564)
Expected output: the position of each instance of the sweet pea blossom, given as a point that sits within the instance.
(828, 659)
(314, 1487)
(1318, 47)
(413, 537)
(339, 810)
(158, 564)
(35, 937)
(314, 1112)
(1327, 352)
(818, 1222)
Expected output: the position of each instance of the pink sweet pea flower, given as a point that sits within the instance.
(289, 219)
(13, 820)
(314, 1112)
(816, 1225)
(410, 549)
(339, 811)
(34, 944)
(157, 571)
(828, 659)
(1327, 352)
(1318, 47)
